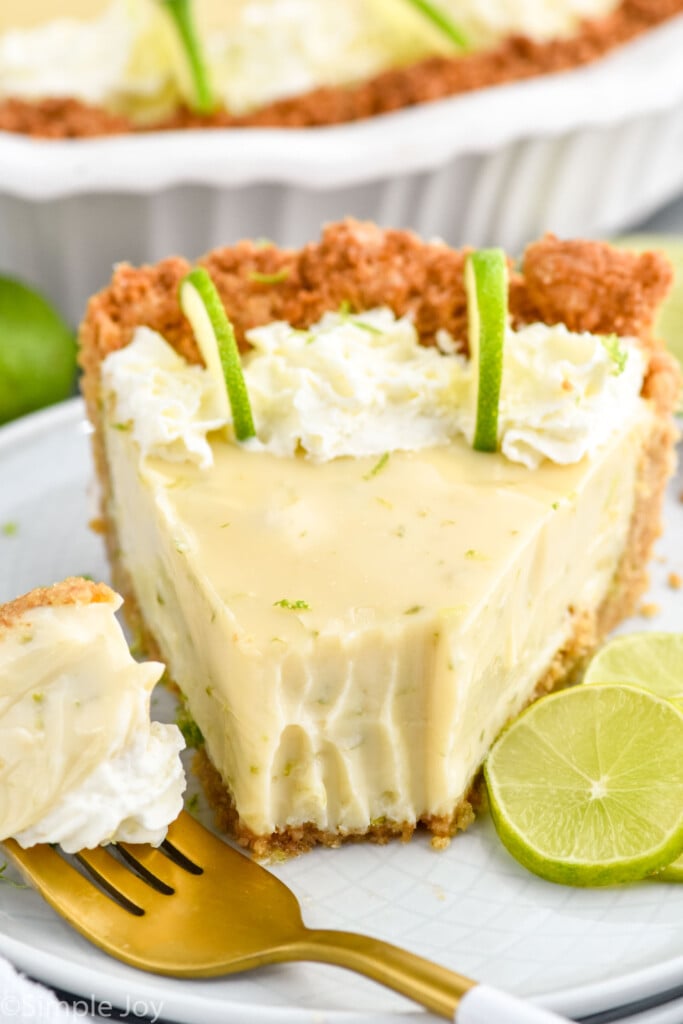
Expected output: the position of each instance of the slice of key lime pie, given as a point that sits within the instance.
(352, 599)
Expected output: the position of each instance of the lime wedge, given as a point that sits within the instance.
(653, 661)
(585, 786)
(181, 13)
(37, 352)
(669, 324)
(201, 304)
(443, 21)
(486, 284)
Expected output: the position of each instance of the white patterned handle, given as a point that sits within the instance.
(484, 1005)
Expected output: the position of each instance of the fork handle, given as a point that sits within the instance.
(483, 1005)
(444, 992)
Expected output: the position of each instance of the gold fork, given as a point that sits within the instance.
(196, 908)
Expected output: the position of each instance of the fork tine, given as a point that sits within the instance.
(193, 840)
(117, 876)
(142, 860)
(59, 881)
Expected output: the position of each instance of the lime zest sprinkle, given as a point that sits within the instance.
(370, 328)
(615, 350)
(346, 312)
(277, 277)
(10, 881)
(414, 610)
(381, 464)
(10, 529)
(442, 21)
(294, 606)
(182, 16)
(192, 734)
(228, 352)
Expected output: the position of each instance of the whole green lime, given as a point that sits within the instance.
(37, 352)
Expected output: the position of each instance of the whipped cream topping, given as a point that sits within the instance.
(364, 385)
(121, 59)
(487, 23)
(169, 405)
(258, 51)
(80, 762)
(351, 385)
(563, 394)
(130, 797)
(265, 50)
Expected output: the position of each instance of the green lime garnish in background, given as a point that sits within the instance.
(655, 662)
(442, 21)
(37, 352)
(585, 786)
(201, 304)
(669, 323)
(486, 285)
(183, 19)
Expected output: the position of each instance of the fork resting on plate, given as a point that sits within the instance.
(197, 908)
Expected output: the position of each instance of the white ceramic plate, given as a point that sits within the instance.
(470, 907)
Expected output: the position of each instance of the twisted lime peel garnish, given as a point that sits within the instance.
(486, 284)
(442, 21)
(215, 336)
(182, 15)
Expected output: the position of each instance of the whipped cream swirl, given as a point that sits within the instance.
(360, 385)
(168, 405)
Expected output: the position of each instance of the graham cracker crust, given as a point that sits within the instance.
(515, 59)
(587, 285)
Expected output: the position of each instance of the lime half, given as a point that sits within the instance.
(585, 786)
(37, 352)
(201, 304)
(486, 284)
(653, 661)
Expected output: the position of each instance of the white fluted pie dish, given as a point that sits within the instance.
(584, 152)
